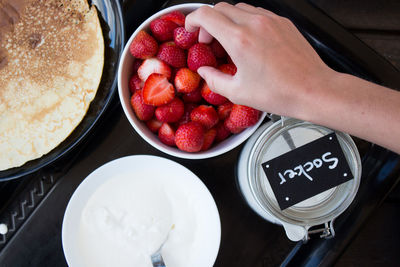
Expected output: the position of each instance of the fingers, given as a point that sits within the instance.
(216, 80)
(254, 10)
(237, 15)
(212, 22)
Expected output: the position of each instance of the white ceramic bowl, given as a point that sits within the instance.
(125, 72)
(105, 183)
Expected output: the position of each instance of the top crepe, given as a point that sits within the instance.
(51, 62)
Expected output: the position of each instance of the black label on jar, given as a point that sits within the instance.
(307, 171)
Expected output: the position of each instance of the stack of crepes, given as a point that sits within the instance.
(51, 62)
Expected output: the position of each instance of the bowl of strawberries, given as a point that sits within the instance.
(165, 99)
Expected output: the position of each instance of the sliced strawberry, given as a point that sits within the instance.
(153, 65)
(229, 68)
(157, 90)
(211, 97)
(222, 132)
(186, 81)
(175, 16)
(200, 55)
(217, 49)
(185, 39)
(189, 137)
(143, 112)
(170, 112)
(209, 138)
(143, 46)
(241, 117)
(163, 30)
(224, 110)
(154, 125)
(193, 97)
(166, 134)
(205, 115)
(172, 54)
(135, 83)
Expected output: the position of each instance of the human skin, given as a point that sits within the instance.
(279, 72)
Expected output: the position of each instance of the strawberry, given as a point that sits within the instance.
(189, 137)
(200, 55)
(166, 134)
(143, 112)
(172, 54)
(157, 90)
(211, 97)
(143, 46)
(135, 83)
(222, 132)
(193, 97)
(163, 30)
(209, 138)
(205, 115)
(217, 49)
(153, 65)
(186, 81)
(185, 39)
(186, 114)
(241, 117)
(154, 125)
(136, 64)
(175, 16)
(229, 68)
(170, 112)
(224, 110)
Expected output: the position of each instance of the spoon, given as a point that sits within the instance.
(156, 258)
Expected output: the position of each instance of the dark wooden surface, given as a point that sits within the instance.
(377, 23)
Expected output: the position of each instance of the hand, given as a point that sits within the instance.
(276, 67)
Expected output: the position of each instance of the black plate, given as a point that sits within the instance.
(114, 37)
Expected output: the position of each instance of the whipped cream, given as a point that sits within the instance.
(129, 216)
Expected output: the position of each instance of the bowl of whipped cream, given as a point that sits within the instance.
(121, 213)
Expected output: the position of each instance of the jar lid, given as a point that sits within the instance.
(286, 135)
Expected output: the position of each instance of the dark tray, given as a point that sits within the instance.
(35, 210)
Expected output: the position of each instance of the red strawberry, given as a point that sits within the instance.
(209, 138)
(154, 125)
(143, 46)
(241, 117)
(157, 90)
(143, 112)
(153, 65)
(186, 81)
(206, 115)
(172, 54)
(186, 114)
(163, 30)
(136, 64)
(224, 110)
(229, 68)
(200, 55)
(222, 132)
(217, 49)
(175, 16)
(211, 97)
(135, 83)
(189, 137)
(185, 39)
(166, 134)
(193, 97)
(170, 112)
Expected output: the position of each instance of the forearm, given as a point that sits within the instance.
(358, 107)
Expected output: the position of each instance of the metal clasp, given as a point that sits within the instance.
(327, 231)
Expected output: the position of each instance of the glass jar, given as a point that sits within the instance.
(274, 139)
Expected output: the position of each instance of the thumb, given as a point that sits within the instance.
(218, 81)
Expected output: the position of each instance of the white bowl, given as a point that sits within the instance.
(125, 72)
(104, 189)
